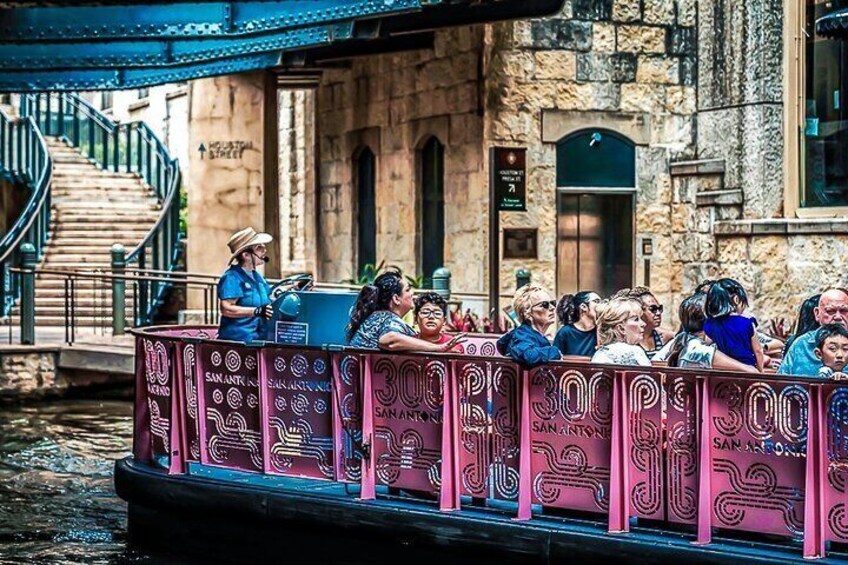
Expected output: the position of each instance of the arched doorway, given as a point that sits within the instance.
(596, 189)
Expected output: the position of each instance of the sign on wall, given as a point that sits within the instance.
(509, 178)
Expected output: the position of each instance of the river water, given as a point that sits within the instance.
(58, 503)
(57, 499)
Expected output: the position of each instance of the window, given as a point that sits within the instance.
(106, 100)
(822, 126)
(432, 218)
(143, 93)
(824, 131)
(366, 211)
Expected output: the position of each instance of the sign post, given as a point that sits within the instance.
(507, 192)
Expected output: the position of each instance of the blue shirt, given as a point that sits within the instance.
(527, 347)
(732, 335)
(249, 291)
(376, 326)
(801, 358)
(571, 341)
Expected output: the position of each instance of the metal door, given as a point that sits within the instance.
(594, 242)
(596, 187)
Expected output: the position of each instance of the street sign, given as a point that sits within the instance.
(509, 178)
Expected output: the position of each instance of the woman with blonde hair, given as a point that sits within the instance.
(528, 344)
(620, 329)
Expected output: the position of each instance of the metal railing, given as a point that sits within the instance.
(696, 452)
(24, 160)
(112, 291)
(130, 147)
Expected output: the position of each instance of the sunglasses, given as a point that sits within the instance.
(546, 304)
(655, 309)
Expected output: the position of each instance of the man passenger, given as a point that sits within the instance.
(801, 358)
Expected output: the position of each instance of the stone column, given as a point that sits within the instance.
(228, 154)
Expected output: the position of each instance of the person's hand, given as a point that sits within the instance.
(779, 329)
(839, 376)
(458, 339)
(771, 363)
(264, 311)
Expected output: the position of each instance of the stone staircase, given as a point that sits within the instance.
(91, 210)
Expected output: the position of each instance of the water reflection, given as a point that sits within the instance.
(58, 504)
(57, 500)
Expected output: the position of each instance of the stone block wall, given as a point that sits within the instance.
(297, 184)
(393, 103)
(599, 63)
(740, 98)
(29, 373)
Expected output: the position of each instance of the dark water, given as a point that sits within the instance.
(58, 503)
(57, 500)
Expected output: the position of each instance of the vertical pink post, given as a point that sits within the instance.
(814, 539)
(455, 431)
(338, 430)
(201, 405)
(447, 492)
(705, 497)
(141, 412)
(619, 507)
(368, 489)
(175, 442)
(264, 417)
(179, 385)
(525, 512)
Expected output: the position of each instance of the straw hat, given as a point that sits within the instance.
(245, 238)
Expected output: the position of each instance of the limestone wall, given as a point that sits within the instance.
(740, 98)
(29, 373)
(225, 194)
(393, 103)
(628, 65)
(297, 180)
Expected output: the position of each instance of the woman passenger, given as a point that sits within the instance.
(654, 336)
(527, 344)
(576, 313)
(376, 323)
(806, 321)
(431, 311)
(620, 329)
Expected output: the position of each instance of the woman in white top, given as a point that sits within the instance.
(692, 348)
(620, 329)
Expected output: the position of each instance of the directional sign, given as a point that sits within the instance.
(202, 150)
(509, 178)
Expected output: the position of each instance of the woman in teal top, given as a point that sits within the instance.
(243, 294)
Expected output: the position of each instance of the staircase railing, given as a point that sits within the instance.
(130, 147)
(24, 159)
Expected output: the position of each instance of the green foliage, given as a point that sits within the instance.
(367, 275)
(415, 282)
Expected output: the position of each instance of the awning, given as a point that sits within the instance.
(834, 24)
(87, 46)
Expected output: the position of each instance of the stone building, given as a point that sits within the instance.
(668, 141)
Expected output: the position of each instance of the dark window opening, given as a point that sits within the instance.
(432, 208)
(366, 212)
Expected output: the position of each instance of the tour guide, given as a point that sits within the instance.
(243, 295)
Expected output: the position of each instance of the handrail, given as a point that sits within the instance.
(23, 158)
(130, 147)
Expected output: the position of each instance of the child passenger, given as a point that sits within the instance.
(734, 334)
(620, 329)
(832, 350)
(691, 347)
